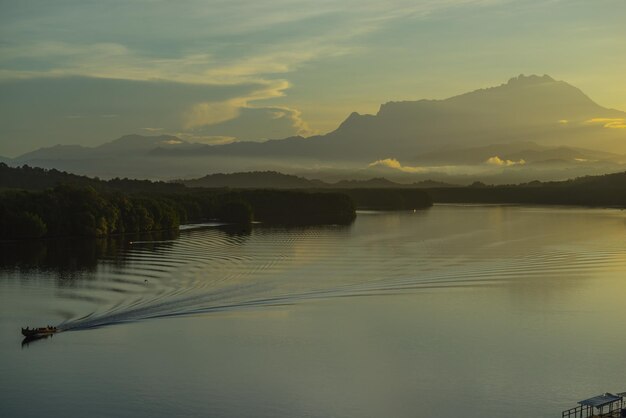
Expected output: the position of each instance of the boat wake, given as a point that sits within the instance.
(208, 270)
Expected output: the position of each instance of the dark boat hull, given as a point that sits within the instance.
(38, 332)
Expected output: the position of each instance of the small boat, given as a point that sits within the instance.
(39, 332)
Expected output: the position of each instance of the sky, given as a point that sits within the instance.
(86, 72)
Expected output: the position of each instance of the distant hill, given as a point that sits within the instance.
(143, 144)
(610, 181)
(276, 180)
(253, 180)
(528, 151)
(591, 191)
(427, 184)
(378, 183)
(35, 178)
(383, 183)
(57, 152)
(120, 147)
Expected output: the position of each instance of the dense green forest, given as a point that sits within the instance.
(48, 203)
(607, 190)
(83, 211)
(581, 196)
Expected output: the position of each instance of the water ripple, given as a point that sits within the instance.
(208, 270)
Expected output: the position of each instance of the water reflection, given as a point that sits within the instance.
(64, 255)
(409, 308)
(534, 252)
(29, 340)
(237, 230)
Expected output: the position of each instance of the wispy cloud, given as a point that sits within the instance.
(295, 116)
(211, 113)
(205, 139)
(101, 60)
(318, 29)
(611, 123)
(245, 52)
(247, 122)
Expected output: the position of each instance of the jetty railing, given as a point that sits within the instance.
(617, 409)
(581, 411)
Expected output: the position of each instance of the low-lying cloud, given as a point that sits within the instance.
(395, 164)
(497, 161)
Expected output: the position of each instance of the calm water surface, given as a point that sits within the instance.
(457, 311)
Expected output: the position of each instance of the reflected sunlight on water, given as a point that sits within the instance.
(510, 287)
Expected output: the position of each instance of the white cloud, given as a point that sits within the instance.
(495, 160)
(395, 164)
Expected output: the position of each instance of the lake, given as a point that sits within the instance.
(454, 311)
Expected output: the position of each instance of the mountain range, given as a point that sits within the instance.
(275, 180)
(532, 127)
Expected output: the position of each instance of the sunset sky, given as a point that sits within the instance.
(85, 72)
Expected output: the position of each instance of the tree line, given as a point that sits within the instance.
(69, 210)
(37, 203)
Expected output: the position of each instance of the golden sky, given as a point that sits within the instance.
(85, 72)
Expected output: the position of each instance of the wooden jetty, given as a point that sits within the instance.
(607, 405)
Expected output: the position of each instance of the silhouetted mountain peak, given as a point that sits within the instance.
(355, 120)
(524, 80)
(526, 107)
(531, 90)
(392, 107)
(353, 117)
